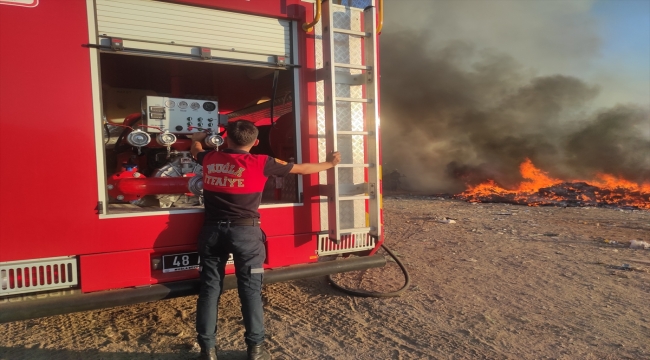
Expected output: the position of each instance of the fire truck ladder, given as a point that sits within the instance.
(348, 88)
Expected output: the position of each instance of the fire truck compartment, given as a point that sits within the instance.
(189, 96)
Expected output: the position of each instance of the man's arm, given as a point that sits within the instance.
(310, 168)
(196, 143)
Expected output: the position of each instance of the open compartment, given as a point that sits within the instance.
(152, 105)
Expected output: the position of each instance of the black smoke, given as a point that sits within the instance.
(456, 114)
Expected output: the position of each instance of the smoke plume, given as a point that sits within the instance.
(456, 113)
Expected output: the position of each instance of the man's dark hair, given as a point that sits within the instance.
(242, 132)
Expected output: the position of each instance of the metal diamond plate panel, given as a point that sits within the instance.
(342, 41)
(360, 213)
(346, 214)
(352, 214)
(356, 110)
(344, 109)
(342, 18)
(347, 49)
(358, 149)
(346, 175)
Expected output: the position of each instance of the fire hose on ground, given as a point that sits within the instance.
(407, 282)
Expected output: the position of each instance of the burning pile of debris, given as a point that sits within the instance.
(539, 189)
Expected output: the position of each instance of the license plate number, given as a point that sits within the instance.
(180, 262)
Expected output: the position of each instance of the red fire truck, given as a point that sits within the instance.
(98, 101)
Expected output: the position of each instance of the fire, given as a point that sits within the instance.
(535, 178)
(538, 188)
(608, 181)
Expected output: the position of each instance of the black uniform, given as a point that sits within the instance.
(233, 181)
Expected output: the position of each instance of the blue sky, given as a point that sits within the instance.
(624, 28)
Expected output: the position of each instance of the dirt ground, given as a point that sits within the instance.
(502, 282)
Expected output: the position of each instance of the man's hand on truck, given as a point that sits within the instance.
(196, 148)
(199, 136)
(333, 159)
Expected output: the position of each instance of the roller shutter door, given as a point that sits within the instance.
(174, 30)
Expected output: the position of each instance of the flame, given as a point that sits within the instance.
(538, 188)
(535, 178)
(612, 182)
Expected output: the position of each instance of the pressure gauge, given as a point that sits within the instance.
(209, 106)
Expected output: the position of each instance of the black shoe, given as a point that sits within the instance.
(258, 352)
(210, 354)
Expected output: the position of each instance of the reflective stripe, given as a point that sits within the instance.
(257, 271)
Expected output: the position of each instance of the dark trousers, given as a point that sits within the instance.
(246, 243)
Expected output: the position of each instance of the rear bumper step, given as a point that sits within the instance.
(69, 301)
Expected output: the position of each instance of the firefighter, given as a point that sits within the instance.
(233, 181)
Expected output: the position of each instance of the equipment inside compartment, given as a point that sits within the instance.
(146, 137)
